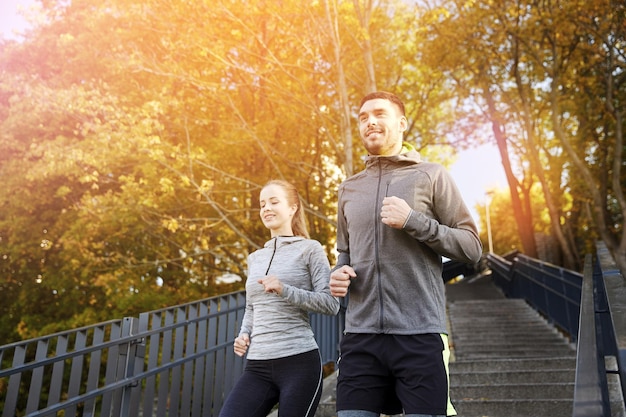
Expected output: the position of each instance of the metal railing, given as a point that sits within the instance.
(551, 290)
(176, 361)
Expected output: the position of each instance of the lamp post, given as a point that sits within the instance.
(489, 194)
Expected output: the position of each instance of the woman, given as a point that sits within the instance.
(287, 279)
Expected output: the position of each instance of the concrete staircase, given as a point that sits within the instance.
(506, 359)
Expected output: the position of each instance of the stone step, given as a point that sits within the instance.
(508, 391)
(507, 347)
(504, 339)
(554, 376)
(488, 400)
(512, 327)
(506, 308)
(524, 353)
(565, 362)
(514, 408)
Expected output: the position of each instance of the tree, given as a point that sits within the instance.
(523, 67)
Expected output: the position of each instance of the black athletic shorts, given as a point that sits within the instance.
(391, 374)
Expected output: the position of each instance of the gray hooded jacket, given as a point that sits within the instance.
(398, 288)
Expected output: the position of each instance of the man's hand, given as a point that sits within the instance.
(395, 212)
(340, 281)
(241, 344)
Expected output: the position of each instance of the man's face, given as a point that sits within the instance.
(381, 127)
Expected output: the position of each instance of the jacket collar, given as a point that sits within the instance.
(282, 240)
(407, 158)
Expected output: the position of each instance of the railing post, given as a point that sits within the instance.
(130, 362)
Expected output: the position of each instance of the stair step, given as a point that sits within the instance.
(508, 391)
(554, 376)
(485, 337)
(512, 354)
(565, 362)
(514, 408)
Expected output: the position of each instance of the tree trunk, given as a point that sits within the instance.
(364, 14)
(346, 130)
(522, 218)
(537, 169)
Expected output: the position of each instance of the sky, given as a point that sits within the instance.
(475, 171)
(10, 19)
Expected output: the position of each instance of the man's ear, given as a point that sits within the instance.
(404, 123)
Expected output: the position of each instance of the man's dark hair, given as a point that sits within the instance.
(386, 96)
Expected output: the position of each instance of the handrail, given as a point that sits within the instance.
(590, 387)
(610, 287)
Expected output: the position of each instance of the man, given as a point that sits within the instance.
(396, 219)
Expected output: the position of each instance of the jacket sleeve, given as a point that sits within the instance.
(248, 319)
(452, 233)
(248, 316)
(319, 299)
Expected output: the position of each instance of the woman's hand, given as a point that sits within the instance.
(272, 284)
(241, 344)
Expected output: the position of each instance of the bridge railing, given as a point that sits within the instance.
(552, 290)
(176, 361)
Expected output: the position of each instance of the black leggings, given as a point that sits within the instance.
(294, 382)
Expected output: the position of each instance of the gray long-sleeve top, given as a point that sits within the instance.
(278, 325)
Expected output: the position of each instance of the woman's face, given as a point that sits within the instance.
(276, 212)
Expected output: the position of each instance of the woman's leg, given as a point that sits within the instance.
(254, 394)
(300, 381)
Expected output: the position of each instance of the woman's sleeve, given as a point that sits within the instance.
(248, 316)
(319, 299)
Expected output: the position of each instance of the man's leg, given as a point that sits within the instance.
(419, 365)
(365, 387)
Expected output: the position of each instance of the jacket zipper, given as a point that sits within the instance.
(377, 231)
(272, 258)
